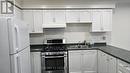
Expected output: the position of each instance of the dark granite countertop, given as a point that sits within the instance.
(111, 50)
(119, 53)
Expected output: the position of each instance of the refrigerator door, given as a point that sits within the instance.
(20, 62)
(18, 35)
(4, 47)
(24, 58)
(23, 34)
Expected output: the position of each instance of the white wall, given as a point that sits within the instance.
(121, 26)
(73, 34)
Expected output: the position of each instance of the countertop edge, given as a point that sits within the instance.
(110, 50)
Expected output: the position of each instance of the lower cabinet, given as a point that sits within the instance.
(106, 63)
(83, 61)
(35, 62)
(123, 67)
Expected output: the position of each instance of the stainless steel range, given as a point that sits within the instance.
(54, 57)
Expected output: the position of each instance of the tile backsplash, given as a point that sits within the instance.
(73, 33)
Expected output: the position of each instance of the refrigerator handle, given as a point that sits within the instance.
(18, 65)
(16, 38)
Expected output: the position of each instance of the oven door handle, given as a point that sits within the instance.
(54, 56)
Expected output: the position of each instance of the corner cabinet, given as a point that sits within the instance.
(106, 63)
(54, 19)
(34, 20)
(123, 67)
(83, 61)
(101, 20)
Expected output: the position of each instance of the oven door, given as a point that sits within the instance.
(54, 64)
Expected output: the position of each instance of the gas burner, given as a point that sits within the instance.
(57, 48)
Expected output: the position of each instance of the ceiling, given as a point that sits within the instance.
(37, 3)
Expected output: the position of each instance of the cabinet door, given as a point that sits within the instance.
(48, 18)
(38, 21)
(28, 18)
(85, 16)
(75, 62)
(60, 17)
(96, 21)
(123, 67)
(112, 66)
(102, 62)
(72, 16)
(107, 20)
(60, 20)
(89, 61)
(35, 62)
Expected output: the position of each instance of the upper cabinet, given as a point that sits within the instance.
(34, 19)
(28, 18)
(54, 19)
(85, 16)
(107, 20)
(38, 21)
(72, 16)
(78, 16)
(101, 20)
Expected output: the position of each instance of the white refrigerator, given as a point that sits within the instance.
(14, 46)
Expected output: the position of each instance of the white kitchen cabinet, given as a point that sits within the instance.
(34, 19)
(123, 67)
(38, 21)
(85, 16)
(28, 18)
(96, 21)
(102, 62)
(72, 16)
(35, 62)
(75, 62)
(112, 64)
(48, 17)
(54, 19)
(60, 17)
(78, 16)
(101, 20)
(106, 63)
(89, 61)
(107, 20)
(83, 61)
